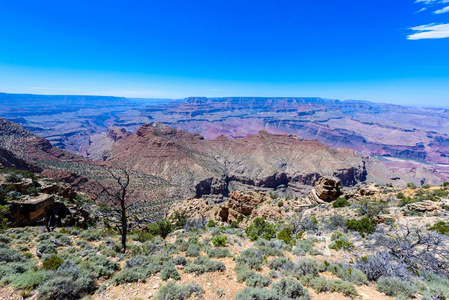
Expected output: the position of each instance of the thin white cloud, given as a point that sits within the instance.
(421, 10)
(442, 11)
(430, 31)
(428, 2)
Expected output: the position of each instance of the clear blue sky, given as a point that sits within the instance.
(386, 51)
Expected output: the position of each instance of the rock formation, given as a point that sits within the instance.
(326, 190)
(277, 163)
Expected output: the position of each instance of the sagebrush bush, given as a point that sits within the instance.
(251, 257)
(304, 267)
(172, 291)
(290, 288)
(203, 264)
(395, 287)
(169, 272)
(180, 261)
(280, 264)
(305, 247)
(249, 293)
(344, 287)
(218, 253)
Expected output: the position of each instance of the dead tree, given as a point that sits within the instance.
(116, 201)
(122, 209)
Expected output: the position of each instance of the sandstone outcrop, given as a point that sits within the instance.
(326, 190)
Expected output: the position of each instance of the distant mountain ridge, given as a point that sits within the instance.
(401, 136)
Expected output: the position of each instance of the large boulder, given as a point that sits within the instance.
(240, 203)
(326, 190)
(31, 211)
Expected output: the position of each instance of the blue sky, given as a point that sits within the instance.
(384, 50)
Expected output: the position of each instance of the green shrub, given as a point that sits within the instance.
(340, 202)
(169, 271)
(211, 223)
(162, 228)
(234, 224)
(285, 235)
(260, 228)
(219, 241)
(46, 247)
(290, 288)
(30, 279)
(52, 263)
(341, 244)
(371, 208)
(395, 287)
(438, 287)
(252, 258)
(344, 287)
(257, 280)
(440, 227)
(364, 226)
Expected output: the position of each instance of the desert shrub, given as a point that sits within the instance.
(219, 241)
(30, 279)
(340, 202)
(43, 236)
(251, 257)
(45, 247)
(395, 287)
(218, 253)
(257, 280)
(180, 261)
(249, 293)
(172, 291)
(280, 264)
(440, 227)
(169, 271)
(304, 267)
(350, 274)
(270, 251)
(211, 223)
(251, 278)
(319, 284)
(100, 266)
(92, 235)
(438, 287)
(290, 288)
(302, 223)
(138, 268)
(420, 250)
(381, 264)
(162, 228)
(203, 264)
(341, 244)
(285, 235)
(260, 228)
(9, 255)
(234, 224)
(140, 235)
(304, 247)
(364, 226)
(52, 263)
(193, 251)
(344, 287)
(372, 208)
(69, 282)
